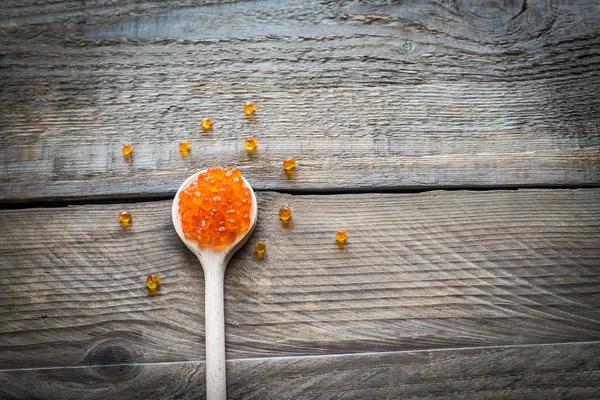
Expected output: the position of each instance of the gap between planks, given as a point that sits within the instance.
(146, 198)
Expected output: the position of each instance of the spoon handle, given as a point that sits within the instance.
(216, 388)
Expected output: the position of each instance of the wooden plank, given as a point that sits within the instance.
(567, 371)
(408, 95)
(419, 271)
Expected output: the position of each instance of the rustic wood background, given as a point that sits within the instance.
(458, 142)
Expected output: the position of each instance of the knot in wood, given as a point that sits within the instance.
(113, 360)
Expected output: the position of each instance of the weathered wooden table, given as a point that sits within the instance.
(458, 142)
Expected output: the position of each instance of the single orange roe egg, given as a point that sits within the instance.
(125, 217)
(289, 163)
(285, 213)
(184, 146)
(215, 208)
(249, 107)
(127, 149)
(260, 248)
(206, 123)
(250, 143)
(152, 281)
(341, 235)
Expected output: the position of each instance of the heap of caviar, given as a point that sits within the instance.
(215, 208)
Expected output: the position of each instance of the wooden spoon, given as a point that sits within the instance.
(214, 262)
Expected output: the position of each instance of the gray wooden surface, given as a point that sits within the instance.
(366, 95)
(427, 271)
(446, 294)
(555, 371)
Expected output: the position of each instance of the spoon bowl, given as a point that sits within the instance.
(214, 261)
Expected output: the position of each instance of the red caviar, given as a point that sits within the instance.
(215, 208)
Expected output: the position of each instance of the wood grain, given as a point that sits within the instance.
(366, 95)
(567, 371)
(420, 271)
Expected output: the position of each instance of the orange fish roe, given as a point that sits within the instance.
(215, 208)
(125, 217)
(341, 235)
(285, 213)
(206, 123)
(289, 163)
(152, 281)
(127, 149)
(184, 146)
(249, 107)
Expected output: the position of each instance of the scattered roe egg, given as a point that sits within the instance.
(206, 123)
(260, 248)
(250, 143)
(215, 208)
(127, 149)
(289, 163)
(184, 146)
(249, 107)
(341, 236)
(285, 214)
(152, 281)
(125, 217)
